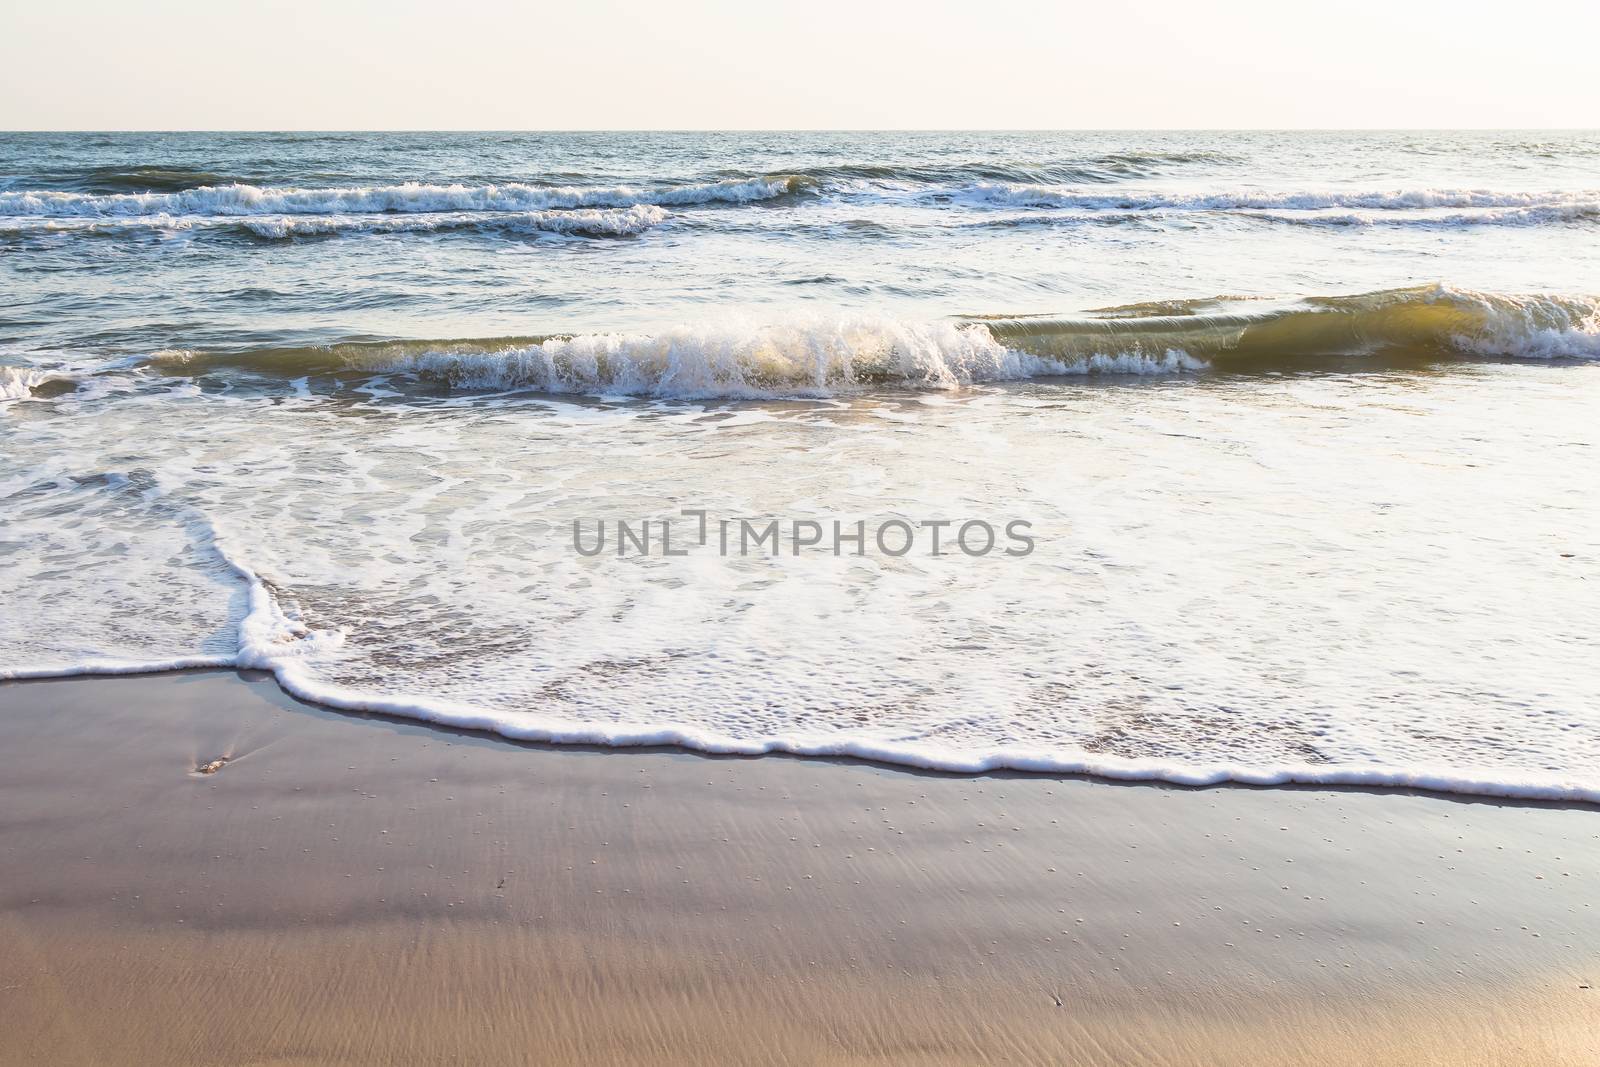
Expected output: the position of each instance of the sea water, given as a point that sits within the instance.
(1300, 429)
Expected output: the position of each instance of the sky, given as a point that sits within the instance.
(807, 64)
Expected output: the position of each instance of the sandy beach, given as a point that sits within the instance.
(726, 535)
(359, 890)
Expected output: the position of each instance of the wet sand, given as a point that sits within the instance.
(350, 889)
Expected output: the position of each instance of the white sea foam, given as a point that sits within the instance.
(248, 200)
(591, 222)
(1528, 327)
(17, 383)
(271, 640)
(301, 683)
(268, 636)
(816, 358)
(1015, 194)
(275, 639)
(1576, 212)
(613, 222)
(133, 225)
(1194, 612)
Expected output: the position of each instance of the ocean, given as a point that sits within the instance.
(1199, 457)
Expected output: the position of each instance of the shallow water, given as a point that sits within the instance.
(1297, 431)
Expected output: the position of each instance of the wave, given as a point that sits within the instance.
(1097, 169)
(822, 358)
(814, 359)
(18, 383)
(1010, 194)
(137, 226)
(148, 179)
(139, 180)
(1570, 214)
(1581, 211)
(251, 200)
(589, 222)
(237, 199)
(1390, 328)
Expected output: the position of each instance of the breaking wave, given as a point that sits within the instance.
(820, 358)
(1578, 211)
(1389, 328)
(590, 222)
(1012, 194)
(18, 383)
(251, 200)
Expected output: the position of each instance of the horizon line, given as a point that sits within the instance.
(817, 129)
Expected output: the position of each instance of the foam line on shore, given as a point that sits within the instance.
(270, 641)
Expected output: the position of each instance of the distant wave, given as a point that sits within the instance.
(1092, 168)
(1066, 195)
(251, 200)
(236, 199)
(148, 179)
(1010, 194)
(1096, 169)
(588, 222)
(1566, 214)
(831, 357)
(616, 222)
(1576, 212)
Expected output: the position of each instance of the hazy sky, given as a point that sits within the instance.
(403, 64)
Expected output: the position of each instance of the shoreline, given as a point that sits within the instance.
(467, 719)
(351, 887)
